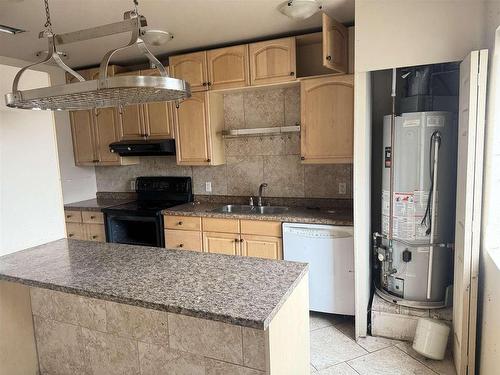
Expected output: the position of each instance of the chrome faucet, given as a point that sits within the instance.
(259, 199)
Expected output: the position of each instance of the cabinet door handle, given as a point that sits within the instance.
(237, 240)
(209, 83)
(179, 223)
(209, 160)
(92, 217)
(181, 245)
(292, 73)
(328, 58)
(302, 158)
(241, 240)
(204, 83)
(70, 235)
(94, 237)
(68, 216)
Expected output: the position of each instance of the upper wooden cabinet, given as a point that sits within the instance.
(327, 119)
(198, 124)
(228, 67)
(191, 67)
(272, 61)
(335, 45)
(146, 121)
(93, 131)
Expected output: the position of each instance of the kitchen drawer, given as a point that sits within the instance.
(73, 216)
(92, 217)
(261, 228)
(75, 231)
(95, 232)
(183, 239)
(182, 222)
(221, 225)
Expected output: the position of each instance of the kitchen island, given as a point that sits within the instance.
(72, 306)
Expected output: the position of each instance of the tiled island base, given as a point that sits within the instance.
(80, 335)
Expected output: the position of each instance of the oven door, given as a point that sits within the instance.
(134, 229)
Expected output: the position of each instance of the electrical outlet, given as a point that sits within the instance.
(132, 185)
(342, 187)
(208, 187)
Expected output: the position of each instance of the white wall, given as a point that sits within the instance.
(31, 206)
(78, 183)
(395, 33)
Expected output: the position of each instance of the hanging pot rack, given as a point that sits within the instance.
(104, 91)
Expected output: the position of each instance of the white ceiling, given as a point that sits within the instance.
(194, 23)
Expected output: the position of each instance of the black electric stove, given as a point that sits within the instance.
(140, 222)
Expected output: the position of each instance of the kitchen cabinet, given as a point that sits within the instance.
(85, 225)
(335, 45)
(183, 240)
(255, 238)
(146, 121)
(199, 121)
(272, 61)
(261, 246)
(191, 67)
(228, 67)
(93, 130)
(222, 243)
(327, 119)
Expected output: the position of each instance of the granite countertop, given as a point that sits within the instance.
(333, 216)
(95, 204)
(236, 290)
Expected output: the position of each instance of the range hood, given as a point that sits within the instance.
(144, 148)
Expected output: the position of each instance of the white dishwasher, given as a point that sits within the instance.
(329, 250)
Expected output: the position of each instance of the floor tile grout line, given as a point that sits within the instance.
(416, 359)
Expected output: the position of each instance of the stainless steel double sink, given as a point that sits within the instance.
(247, 209)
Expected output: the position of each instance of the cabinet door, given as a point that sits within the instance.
(183, 240)
(192, 131)
(261, 246)
(327, 119)
(272, 61)
(228, 67)
(191, 67)
(131, 120)
(158, 121)
(106, 125)
(221, 243)
(95, 232)
(75, 231)
(335, 45)
(82, 131)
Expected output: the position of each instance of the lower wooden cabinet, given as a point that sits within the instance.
(221, 243)
(254, 238)
(261, 246)
(85, 225)
(183, 240)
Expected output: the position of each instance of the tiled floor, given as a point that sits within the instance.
(335, 352)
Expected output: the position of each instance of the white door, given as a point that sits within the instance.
(473, 71)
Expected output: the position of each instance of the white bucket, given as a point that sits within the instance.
(431, 338)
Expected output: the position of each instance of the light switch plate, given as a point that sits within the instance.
(208, 187)
(342, 188)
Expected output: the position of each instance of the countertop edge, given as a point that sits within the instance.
(226, 319)
(281, 218)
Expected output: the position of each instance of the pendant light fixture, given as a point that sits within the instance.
(104, 91)
(299, 9)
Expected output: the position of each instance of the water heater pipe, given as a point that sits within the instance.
(391, 182)
(437, 142)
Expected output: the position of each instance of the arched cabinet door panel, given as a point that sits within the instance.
(327, 120)
(228, 67)
(191, 67)
(272, 61)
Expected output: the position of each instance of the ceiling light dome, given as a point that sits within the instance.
(300, 9)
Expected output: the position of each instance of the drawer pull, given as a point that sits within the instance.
(68, 216)
(179, 223)
(237, 240)
(92, 217)
(94, 237)
(241, 240)
(181, 245)
(70, 234)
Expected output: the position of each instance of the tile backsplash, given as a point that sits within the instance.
(251, 160)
